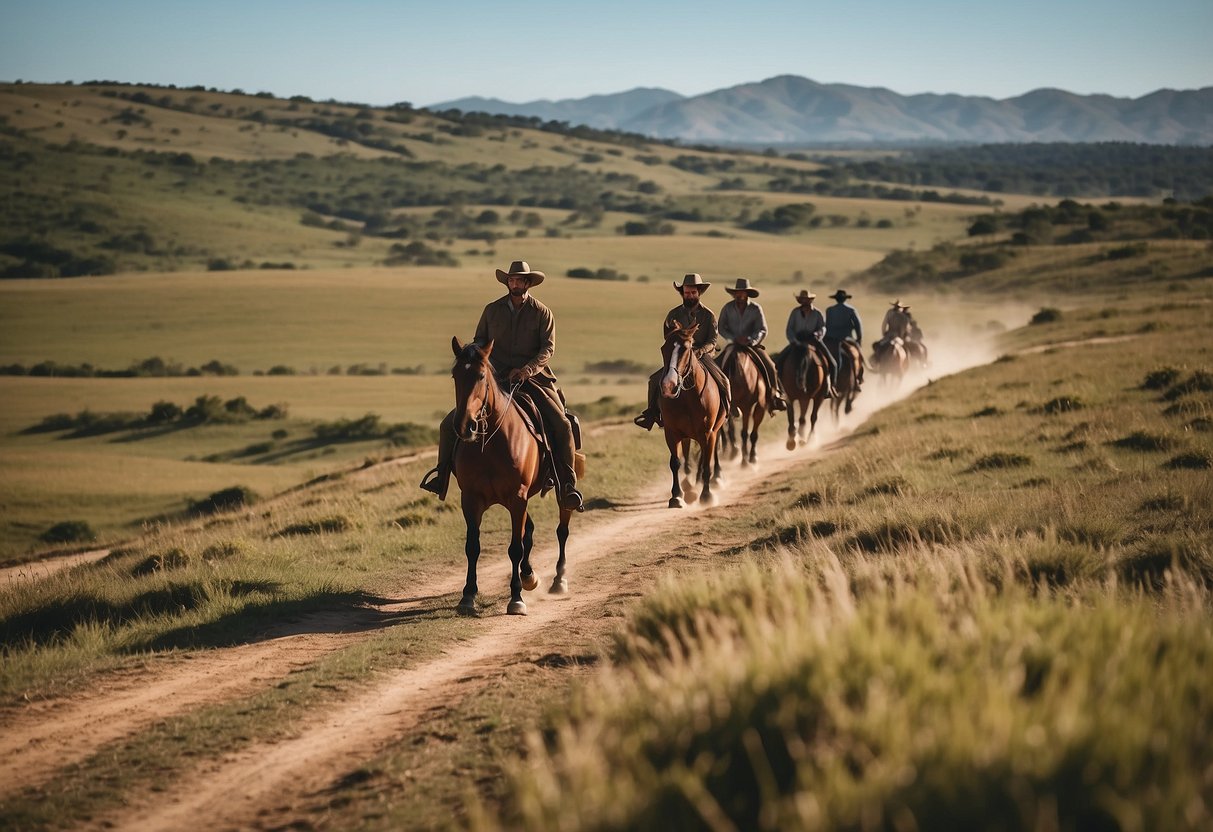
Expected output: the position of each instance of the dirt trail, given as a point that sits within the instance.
(261, 785)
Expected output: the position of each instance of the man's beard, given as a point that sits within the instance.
(690, 303)
(518, 292)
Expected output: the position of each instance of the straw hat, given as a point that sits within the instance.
(803, 295)
(743, 285)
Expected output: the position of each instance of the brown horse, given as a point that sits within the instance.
(749, 389)
(847, 388)
(890, 360)
(691, 409)
(803, 374)
(497, 464)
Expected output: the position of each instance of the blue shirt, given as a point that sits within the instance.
(841, 320)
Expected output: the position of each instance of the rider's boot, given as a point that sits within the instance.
(438, 479)
(647, 419)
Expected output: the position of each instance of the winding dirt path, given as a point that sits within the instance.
(263, 786)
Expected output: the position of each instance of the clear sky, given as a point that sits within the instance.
(383, 51)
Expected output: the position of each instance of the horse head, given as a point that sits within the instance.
(677, 353)
(474, 384)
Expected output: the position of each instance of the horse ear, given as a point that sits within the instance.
(456, 346)
(677, 326)
(487, 348)
(693, 329)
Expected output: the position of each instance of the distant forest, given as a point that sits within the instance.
(1058, 170)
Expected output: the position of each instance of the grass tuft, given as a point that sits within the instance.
(1140, 440)
(1001, 459)
(322, 525)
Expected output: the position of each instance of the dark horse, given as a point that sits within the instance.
(497, 464)
(850, 367)
(691, 409)
(803, 374)
(750, 397)
(890, 360)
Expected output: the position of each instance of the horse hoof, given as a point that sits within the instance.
(560, 586)
(707, 499)
(516, 608)
(466, 607)
(677, 502)
(791, 444)
(530, 581)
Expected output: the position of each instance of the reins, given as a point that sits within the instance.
(481, 420)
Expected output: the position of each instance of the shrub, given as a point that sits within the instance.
(228, 499)
(1062, 404)
(331, 524)
(1140, 440)
(69, 531)
(1160, 379)
(1046, 316)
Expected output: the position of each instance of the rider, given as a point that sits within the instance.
(523, 332)
(896, 323)
(687, 314)
(806, 326)
(743, 324)
(913, 336)
(841, 322)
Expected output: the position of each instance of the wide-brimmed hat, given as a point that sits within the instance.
(841, 294)
(803, 295)
(743, 285)
(520, 268)
(692, 280)
(896, 303)
(904, 307)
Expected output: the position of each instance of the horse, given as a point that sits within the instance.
(847, 386)
(890, 360)
(691, 410)
(497, 464)
(803, 373)
(749, 389)
(916, 351)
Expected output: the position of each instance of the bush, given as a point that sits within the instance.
(1046, 316)
(1159, 379)
(1001, 460)
(1192, 460)
(69, 531)
(229, 499)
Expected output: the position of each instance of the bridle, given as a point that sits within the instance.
(480, 422)
(682, 377)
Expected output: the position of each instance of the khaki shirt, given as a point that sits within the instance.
(750, 322)
(526, 338)
(705, 336)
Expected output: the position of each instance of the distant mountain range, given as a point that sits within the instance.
(789, 110)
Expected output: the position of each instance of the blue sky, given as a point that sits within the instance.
(379, 52)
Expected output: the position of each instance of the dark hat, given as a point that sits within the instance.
(743, 285)
(520, 268)
(803, 295)
(692, 280)
(896, 303)
(841, 294)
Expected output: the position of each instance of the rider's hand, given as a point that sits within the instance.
(518, 375)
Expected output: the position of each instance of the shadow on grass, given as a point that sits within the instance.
(257, 618)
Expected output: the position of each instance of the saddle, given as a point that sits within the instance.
(533, 420)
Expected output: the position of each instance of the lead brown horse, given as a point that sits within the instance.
(497, 464)
(691, 410)
(749, 389)
(803, 374)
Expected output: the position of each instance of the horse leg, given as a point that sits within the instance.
(471, 547)
(813, 418)
(529, 579)
(759, 415)
(731, 436)
(804, 413)
(707, 452)
(559, 584)
(686, 470)
(518, 520)
(792, 424)
(676, 500)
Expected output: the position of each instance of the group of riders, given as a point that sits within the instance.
(522, 331)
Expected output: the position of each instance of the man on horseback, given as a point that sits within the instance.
(523, 332)
(896, 323)
(843, 324)
(687, 314)
(743, 324)
(806, 327)
(913, 337)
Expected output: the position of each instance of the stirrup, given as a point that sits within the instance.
(778, 404)
(645, 420)
(432, 482)
(572, 500)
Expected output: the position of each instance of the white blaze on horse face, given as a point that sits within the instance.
(669, 382)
